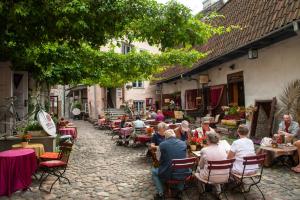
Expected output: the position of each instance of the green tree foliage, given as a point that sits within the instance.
(59, 40)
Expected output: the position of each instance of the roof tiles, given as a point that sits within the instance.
(257, 18)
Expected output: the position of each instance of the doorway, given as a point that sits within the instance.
(262, 123)
(236, 91)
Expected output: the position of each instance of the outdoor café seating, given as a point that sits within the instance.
(250, 179)
(17, 167)
(177, 166)
(55, 168)
(218, 174)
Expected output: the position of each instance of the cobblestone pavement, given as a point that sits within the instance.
(98, 169)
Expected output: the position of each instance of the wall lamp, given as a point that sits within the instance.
(252, 54)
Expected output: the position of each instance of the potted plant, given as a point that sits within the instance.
(25, 137)
(34, 128)
(194, 142)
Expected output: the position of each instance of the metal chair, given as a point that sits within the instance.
(215, 176)
(182, 168)
(55, 155)
(56, 168)
(254, 177)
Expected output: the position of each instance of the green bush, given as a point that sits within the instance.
(33, 126)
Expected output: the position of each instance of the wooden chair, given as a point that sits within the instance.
(254, 178)
(177, 166)
(56, 168)
(215, 176)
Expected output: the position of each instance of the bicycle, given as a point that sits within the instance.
(9, 116)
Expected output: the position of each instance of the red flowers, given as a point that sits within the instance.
(198, 141)
(25, 137)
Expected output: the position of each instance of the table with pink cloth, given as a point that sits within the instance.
(101, 121)
(143, 138)
(126, 131)
(69, 131)
(16, 168)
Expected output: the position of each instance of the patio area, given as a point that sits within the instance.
(99, 169)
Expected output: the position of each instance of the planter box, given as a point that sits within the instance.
(38, 133)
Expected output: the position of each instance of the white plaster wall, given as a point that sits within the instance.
(94, 112)
(266, 76)
(180, 85)
(141, 93)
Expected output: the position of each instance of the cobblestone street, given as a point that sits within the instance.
(99, 169)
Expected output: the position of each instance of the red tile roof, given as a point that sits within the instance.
(257, 18)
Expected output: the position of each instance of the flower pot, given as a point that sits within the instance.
(24, 144)
(199, 147)
(193, 147)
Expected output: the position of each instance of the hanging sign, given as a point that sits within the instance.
(46, 122)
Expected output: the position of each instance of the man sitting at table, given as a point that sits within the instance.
(183, 131)
(138, 123)
(288, 127)
(201, 131)
(171, 148)
(159, 136)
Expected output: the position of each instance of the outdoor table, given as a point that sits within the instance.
(16, 168)
(143, 138)
(126, 131)
(38, 148)
(69, 131)
(273, 153)
(101, 121)
(116, 122)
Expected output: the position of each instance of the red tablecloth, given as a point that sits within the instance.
(69, 131)
(126, 131)
(101, 121)
(143, 138)
(16, 169)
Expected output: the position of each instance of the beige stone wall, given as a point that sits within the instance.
(264, 77)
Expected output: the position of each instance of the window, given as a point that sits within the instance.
(138, 84)
(126, 48)
(138, 106)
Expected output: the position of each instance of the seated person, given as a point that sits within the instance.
(62, 122)
(296, 139)
(212, 152)
(159, 136)
(153, 114)
(124, 120)
(201, 131)
(288, 127)
(160, 116)
(183, 131)
(138, 123)
(241, 148)
(171, 148)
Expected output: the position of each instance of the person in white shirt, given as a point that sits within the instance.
(138, 123)
(241, 148)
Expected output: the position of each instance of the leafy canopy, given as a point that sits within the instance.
(59, 40)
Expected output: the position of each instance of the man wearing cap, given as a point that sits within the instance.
(183, 131)
(201, 131)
